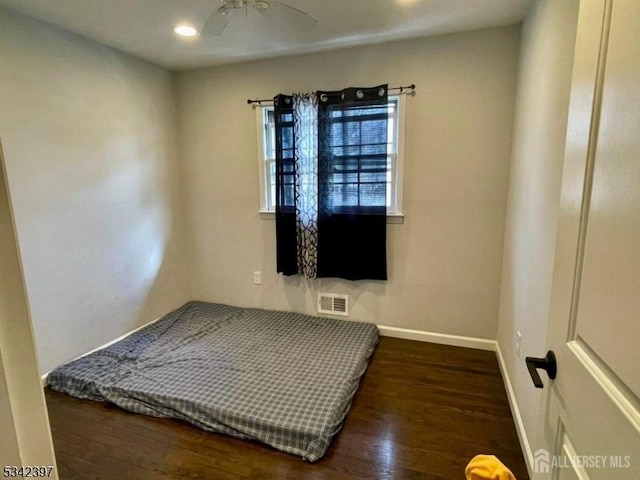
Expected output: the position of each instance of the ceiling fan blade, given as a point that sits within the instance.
(215, 24)
(284, 14)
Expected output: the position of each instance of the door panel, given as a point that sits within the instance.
(608, 318)
(575, 471)
(592, 410)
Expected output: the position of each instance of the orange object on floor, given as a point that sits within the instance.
(487, 467)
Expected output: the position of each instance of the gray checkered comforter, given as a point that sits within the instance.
(284, 379)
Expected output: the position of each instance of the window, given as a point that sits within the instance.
(393, 167)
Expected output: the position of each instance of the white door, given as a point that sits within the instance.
(591, 420)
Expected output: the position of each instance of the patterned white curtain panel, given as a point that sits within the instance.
(305, 121)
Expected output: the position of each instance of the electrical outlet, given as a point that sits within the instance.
(518, 342)
(257, 278)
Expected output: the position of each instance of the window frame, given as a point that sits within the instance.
(395, 213)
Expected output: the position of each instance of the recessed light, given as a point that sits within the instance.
(185, 30)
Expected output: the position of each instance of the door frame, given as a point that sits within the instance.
(26, 404)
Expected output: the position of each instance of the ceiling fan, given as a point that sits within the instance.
(272, 9)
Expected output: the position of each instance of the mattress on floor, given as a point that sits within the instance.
(285, 379)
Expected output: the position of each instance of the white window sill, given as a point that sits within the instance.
(391, 217)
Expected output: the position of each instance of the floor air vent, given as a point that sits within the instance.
(333, 304)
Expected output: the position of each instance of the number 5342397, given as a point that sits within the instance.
(26, 472)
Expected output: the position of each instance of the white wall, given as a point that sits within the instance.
(445, 260)
(25, 438)
(548, 41)
(89, 137)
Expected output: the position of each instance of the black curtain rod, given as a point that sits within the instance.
(408, 89)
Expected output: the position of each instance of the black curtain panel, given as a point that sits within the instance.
(352, 183)
(286, 241)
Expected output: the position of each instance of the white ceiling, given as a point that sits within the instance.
(143, 27)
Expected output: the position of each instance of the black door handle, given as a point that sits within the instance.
(547, 363)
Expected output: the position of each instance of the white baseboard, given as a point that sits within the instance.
(515, 412)
(43, 377)
(440, 338)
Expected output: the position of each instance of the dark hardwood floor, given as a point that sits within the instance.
(422, 412)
